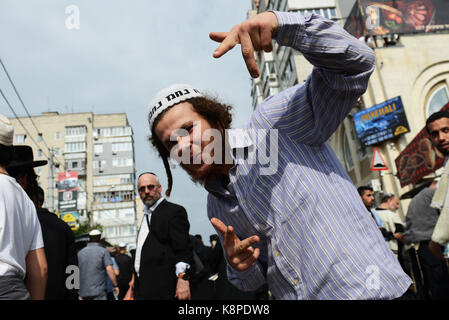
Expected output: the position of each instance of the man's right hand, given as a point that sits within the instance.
(239, 253)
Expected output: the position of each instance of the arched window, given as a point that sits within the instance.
(438, 98)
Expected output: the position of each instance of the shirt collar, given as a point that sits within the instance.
(151, 209)
(239, 138)
(94, 244)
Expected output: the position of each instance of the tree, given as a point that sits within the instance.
(86, 228)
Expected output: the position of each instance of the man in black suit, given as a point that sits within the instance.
(164, 250)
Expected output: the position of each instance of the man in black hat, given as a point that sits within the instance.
(21, 245)
(59, 239)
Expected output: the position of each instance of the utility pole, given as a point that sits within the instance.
(50, 180)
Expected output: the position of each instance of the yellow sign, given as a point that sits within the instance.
(68, 218)
(399, 130)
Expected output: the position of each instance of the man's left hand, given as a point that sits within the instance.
(254, 34)
(182, 290)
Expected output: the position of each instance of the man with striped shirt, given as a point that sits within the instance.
(299, 224)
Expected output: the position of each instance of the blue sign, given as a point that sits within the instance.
(381, 122)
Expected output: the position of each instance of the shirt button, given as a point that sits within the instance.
(295, 282)
(277, 253)
(243, 201)
(261, 226)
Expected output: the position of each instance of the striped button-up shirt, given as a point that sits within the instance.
(316, 240)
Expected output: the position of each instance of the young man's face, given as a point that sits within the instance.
(149, 189)
(439, 135)
(182, 132)
(368, 198)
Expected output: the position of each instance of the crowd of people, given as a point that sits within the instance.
(300, 231)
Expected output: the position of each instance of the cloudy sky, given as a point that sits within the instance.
(123, 53)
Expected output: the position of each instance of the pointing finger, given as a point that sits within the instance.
(218, 36)
(219, 225)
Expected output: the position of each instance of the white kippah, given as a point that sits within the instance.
(6, 131)
(95, 232)
(169, 97)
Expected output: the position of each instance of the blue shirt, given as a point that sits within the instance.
(317, 242)
(92, 262)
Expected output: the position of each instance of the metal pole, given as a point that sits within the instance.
(50, 204)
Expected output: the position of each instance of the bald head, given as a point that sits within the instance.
(149, 188)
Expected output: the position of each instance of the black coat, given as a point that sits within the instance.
(59, 245)
(167, 243)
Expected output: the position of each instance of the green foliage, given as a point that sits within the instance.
(86, 228)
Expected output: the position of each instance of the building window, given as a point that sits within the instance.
(438, 98)
(57, 151)
(39, 153)
(329, 13)
(75, 147)
(122, 162)
(123, 146)
(99, 164)
(39, 137)
(98, 148)
(75, 131)
(115, 131)
(20, 138)
(57, 135)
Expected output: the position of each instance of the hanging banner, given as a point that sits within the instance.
(419, 158)
(384, 17)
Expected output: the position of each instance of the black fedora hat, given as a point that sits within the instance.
(23, 157)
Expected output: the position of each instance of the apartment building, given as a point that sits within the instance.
(99, 148)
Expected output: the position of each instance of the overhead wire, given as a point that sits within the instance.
(99, 206)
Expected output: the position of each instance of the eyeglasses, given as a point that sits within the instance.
(150, 187)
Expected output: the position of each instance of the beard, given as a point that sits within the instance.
(200, 173)
(205, 172)
(150, 201)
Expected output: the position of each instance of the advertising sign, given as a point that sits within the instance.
(71, 218)
(67, 191)
(381, 122)
(384, 17)
(419, 158)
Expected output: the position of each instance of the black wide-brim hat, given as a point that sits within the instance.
(23, 157)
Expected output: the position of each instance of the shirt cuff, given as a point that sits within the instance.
(288, 32)
(181, 267)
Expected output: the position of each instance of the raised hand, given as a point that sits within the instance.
(254, 34)
(239, 253)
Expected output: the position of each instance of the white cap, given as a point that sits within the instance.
(169, 97)
(122, 245)
(95, 232)
(6, 131)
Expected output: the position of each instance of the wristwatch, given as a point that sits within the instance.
(184, 276)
